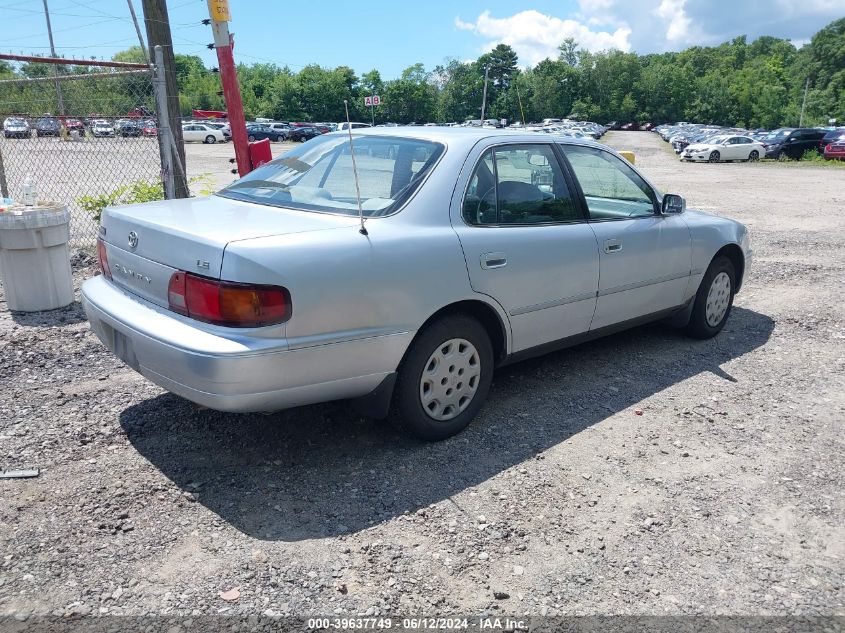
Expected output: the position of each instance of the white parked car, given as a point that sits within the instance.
(101, 128)
(16, 127)
(724, 148)
(480, 248)
(202, 133)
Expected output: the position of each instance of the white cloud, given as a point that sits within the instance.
(535, 36)
(678, 28)
(598, 11)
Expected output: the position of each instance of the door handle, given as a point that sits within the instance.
(612, 246)
(493, 260)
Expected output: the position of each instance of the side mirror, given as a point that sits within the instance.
(672, 204)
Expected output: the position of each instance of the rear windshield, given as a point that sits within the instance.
(318, 176)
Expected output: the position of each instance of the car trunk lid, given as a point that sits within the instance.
(146, 243)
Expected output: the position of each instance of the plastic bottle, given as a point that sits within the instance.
(30, 194)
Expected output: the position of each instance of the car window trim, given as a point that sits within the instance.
(590, 219)
(574, 194)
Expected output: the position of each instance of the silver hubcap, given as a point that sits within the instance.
(718, 299)
(450, 379)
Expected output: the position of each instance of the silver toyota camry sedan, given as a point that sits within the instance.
(400, 269)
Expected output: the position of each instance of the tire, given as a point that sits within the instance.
(251, 138)
(210, 139)
(714, 156)
(302, 139)
(714, 299)
(782, 155)
(444, 360)
(754, 156)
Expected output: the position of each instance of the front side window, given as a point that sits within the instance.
(518, 185)
(611, 188)
(318, 176)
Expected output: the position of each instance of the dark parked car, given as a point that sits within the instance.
(631, 127)
(794, 144)
(832, 136)
(129, 127)
(47, 126)
(303, 134)
(258, 132)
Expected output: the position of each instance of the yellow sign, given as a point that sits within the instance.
(219, 10)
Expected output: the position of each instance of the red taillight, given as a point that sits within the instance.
(226, 302)
(103, 258)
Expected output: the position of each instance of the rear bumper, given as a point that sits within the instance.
(228, 370)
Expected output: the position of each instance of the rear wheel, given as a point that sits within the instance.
(714, 299)
(210, 139)
(444, 378)
(251, 138)
(714, 157)
(754, 156)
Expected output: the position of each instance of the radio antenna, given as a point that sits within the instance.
(363, 229)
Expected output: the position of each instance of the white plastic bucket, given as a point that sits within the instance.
(34, 262)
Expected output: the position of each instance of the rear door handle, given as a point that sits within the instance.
(493, 260)
(612, 246)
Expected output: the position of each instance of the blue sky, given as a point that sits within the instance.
(393, 34)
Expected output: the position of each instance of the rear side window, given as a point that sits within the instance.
(519, 185)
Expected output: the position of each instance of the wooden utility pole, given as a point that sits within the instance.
(804, 103)
(484, 99)
(158, 34)
(53, 53)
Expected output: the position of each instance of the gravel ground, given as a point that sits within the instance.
(645, 473)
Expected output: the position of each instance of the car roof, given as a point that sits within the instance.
(464, 137)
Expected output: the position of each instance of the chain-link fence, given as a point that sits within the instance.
(86, 139)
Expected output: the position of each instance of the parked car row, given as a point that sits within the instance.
(48, 125)
(709, 143)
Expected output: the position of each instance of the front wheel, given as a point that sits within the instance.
(444, 379)
(754, 156)
(714, 299)
(251, 138)
(210, 139)
(714, 157)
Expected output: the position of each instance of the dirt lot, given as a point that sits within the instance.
(646, 473)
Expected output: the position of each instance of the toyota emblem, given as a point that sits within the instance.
(133, 239)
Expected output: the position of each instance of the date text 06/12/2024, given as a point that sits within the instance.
(432, 624)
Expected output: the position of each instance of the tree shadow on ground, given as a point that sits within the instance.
(322, 470)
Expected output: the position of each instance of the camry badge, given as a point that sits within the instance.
(133, 239)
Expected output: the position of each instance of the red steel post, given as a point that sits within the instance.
(235, 108)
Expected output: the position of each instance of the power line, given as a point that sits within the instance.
(70, 28)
